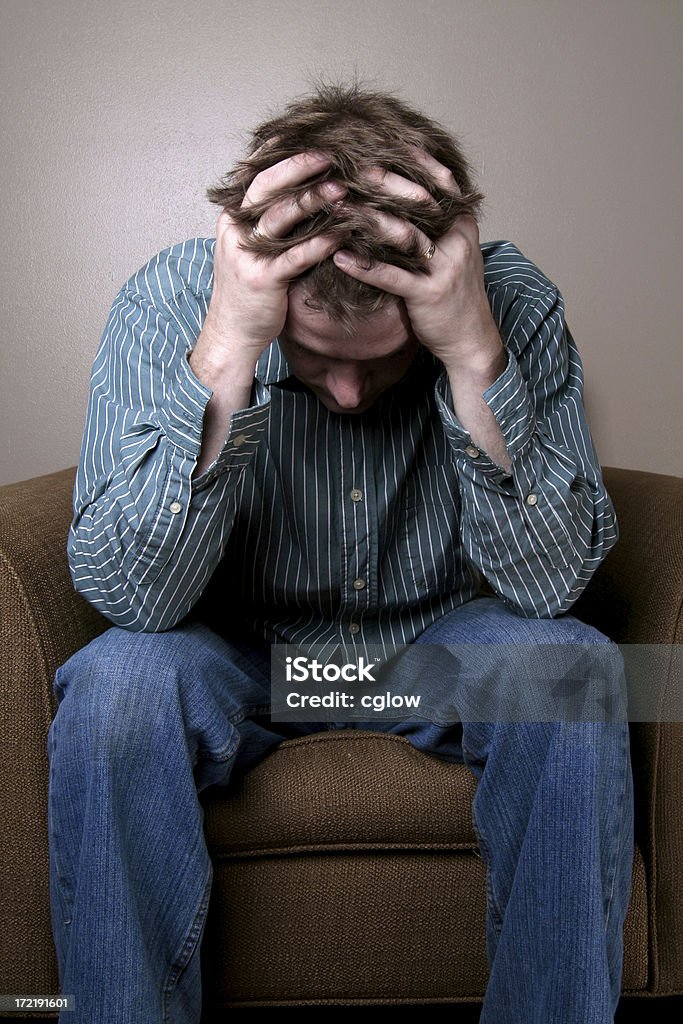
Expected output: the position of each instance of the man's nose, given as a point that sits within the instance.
(347, 384)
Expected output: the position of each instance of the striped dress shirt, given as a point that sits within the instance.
(312, 527)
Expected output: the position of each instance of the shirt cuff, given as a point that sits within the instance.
(509, 400)
(182, 411)
(182, 414)
(247, 429)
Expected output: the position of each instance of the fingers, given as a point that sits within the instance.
(462, 238)
(455, 250)
(398, 232)
(381, 275)
(293, 261)
(224, 226)
(396, 185)
(302, 256)
(264, 146)
(441, 175)
(458, 243)
(281, 217)
(402, 234)
(295, 170)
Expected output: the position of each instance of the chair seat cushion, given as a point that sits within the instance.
(343, 789)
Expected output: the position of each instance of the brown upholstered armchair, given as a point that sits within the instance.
(346, 867)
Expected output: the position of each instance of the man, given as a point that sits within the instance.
(326, 426)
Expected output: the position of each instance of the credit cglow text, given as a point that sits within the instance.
(339, 699)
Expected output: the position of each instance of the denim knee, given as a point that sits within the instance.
(122, 689)
(512, 668)
(489, 620)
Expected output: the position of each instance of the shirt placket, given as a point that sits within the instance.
(359, 526)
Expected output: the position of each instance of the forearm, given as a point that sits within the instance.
(538, 535)
(228, 370)
(539, 530)
(146, 535)
(144, 562)
(469, 377)
(148, 531)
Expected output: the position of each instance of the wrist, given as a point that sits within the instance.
(479, 366)
(230, 341)
(214, 360)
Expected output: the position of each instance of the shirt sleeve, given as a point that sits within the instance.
(539, 532)
(146, 537)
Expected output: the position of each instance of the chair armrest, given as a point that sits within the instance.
(35, 516)
(42, 622)
(636, 597)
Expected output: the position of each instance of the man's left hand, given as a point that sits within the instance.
(448, 307)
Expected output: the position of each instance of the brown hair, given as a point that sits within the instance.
(358, 129)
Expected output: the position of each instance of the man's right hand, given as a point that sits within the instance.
(249, 300)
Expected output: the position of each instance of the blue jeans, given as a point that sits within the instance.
(147, 721)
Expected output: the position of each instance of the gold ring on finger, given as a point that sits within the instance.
(429, 251)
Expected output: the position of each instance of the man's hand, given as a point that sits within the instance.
(248, 304)
(447, 307)
(249, 300)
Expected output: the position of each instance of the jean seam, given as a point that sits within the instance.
(622, 829)
(492, 903)
(231, 748)
(189, 945)
(247, 711)
(63, 886)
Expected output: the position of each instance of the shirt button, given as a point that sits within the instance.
(354, 627)
(358, 584)
(473, 452)
(239, 440)
(356, 495)
(531, 499)
(175, 507)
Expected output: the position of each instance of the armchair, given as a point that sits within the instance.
(346, 868)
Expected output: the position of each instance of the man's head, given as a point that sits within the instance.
(360, 130)
(347, 372)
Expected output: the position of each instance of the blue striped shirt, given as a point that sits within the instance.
(315, 527)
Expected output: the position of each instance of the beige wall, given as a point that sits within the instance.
(118, 113)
